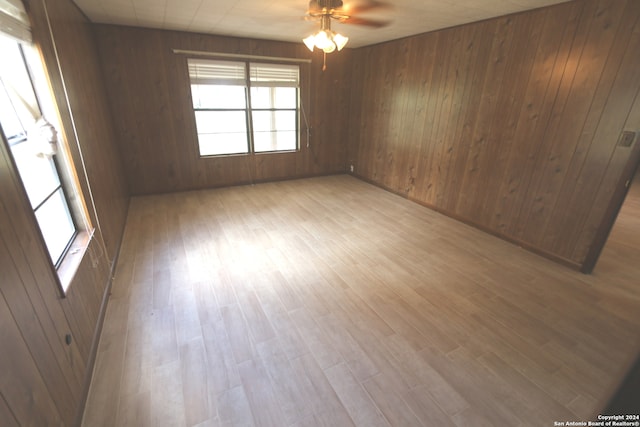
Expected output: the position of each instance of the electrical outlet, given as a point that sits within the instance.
(626, 138)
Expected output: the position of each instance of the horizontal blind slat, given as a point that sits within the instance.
(274, 74)
(203, 71)
(14, 20)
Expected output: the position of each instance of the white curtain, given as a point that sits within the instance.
(14, 23)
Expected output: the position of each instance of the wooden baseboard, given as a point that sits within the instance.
(95, 341)
(527, 246)
(240, 183)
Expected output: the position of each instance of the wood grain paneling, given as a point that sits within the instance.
(25, 394)
(148, 87)
(44, 379)
(509, 124)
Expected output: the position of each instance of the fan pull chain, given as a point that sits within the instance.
(324, 61)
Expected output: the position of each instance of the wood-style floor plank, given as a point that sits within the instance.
(330, 302)
(168, 406)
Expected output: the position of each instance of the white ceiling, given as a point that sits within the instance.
(283, 19)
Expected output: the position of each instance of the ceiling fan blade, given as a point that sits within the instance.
(314, 6)
(366, 22)
(360, 7)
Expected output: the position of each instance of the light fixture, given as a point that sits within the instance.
(325, 39)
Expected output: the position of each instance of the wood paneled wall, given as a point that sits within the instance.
(148, 87)
(42, 379)
(509, 124)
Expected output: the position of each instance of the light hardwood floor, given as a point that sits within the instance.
(330, 302)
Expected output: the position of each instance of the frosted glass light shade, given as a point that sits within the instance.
(326, 40)
(329, 47)
(310, 42)
(340, 40)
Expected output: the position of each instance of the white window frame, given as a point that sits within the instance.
(247, 74)
(34, 151)
(15, 25)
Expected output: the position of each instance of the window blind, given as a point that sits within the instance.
(14, 21)
(274, 75)
(207, 71)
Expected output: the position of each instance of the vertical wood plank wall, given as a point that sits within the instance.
(148, 87)
(510, 124)
(42, 379)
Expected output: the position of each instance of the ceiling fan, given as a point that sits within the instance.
(326, 10)
(346, 14)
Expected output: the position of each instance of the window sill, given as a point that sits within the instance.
(255, 153)
(72, 259)
(293, 150)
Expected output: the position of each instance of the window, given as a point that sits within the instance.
(244, 107)
(32, 144)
